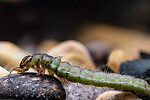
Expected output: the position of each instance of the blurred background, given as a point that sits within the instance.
(28, 22)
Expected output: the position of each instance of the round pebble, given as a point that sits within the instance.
(29, 86)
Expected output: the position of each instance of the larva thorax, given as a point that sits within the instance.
(39, 59)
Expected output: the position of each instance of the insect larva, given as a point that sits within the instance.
(76, 74)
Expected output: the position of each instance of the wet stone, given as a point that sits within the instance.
(28, 86)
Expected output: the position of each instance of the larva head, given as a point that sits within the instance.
(25, 61)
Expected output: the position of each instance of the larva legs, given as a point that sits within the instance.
(39, 70)
(53, 74)
(18, 69)
(50, 72)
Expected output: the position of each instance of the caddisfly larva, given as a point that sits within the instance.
(74, 73)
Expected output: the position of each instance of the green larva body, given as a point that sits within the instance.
(76, 74)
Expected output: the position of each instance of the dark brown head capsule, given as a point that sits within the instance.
(25, 61)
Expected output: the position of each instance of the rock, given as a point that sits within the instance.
(77, 91)
(115, 58)
(73, 52)
(136, 68)
(117, 95)
(28, 86)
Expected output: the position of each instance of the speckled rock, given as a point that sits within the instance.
(77, 91)
(28, 86)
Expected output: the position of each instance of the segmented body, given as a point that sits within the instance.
(76, 74)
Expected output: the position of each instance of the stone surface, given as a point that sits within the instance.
(76, 91)
(28, 86)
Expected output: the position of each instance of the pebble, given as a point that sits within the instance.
(28, 86)
(116, 57)
(74, 52)
(117, 95)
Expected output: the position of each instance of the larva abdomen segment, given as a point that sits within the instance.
(101, 79)
(62, 69)
(55, 63)
(74, 73)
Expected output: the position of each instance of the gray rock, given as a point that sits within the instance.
(77, 91)
(28, 86)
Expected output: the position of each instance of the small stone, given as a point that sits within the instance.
(117, 95)
(28, 86)
(116, 57)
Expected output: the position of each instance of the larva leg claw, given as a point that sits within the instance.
(16, 69)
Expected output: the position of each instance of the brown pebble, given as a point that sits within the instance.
(74, 52)
(116, 57)
(28, 86)
(117, 95)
